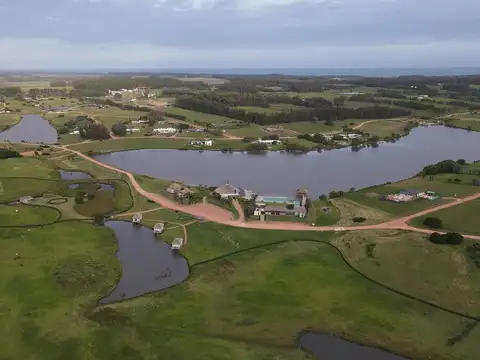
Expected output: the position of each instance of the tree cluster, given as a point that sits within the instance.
(206, 105)
(7, 153)
(448, 238)
(94, 131)
(442, 167)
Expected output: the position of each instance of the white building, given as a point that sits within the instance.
(206, 142)
(165, 130)
(132, 130)
(75, 132)
(268, 142)
(136, 122)
(353, 136)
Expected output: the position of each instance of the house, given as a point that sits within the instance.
(137, 122)
(280, 210)
(421, 97)
(25, 199)
(179, 190)
(353, 136)
(268, 142)
(165, 131)
(228, 191)
(201, 142)
(132, 130)
(158, 228)
(177, 243)
(75, 132)
(137, 218)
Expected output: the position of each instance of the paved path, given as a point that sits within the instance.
(218, 215)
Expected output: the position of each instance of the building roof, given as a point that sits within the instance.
(228, 189)
(175, 187)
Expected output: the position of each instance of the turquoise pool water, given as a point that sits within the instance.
(278, 200)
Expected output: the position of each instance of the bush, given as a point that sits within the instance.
(448, 238)
(359, 219)
(7, 153)
(335, 194)
(119, 129)
(461, 162)
(98, 219)
(434, 223)
(62, 130)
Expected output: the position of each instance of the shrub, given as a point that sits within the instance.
(434, 223)
(119, 129)
(359, 219)
(98, 219)
(448, 238)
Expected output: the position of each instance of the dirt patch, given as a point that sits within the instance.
(350, 209)
(28, 153)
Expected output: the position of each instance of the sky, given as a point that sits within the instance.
(121, 34)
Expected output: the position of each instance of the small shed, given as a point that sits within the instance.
(158, 228)
(177, 243)
(137, 218)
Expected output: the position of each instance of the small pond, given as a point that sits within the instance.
(102, 187)
(329, 347)
(31, 129)
(148, 263)
(73, 175)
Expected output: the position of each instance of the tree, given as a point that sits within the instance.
(62, 130)
(117, 96)
(119, 129)
(433, 222)
(79, 197)
(257, 147)
(290, 206)
(94, 131)
(461, 162)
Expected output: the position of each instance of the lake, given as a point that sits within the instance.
(31, 129)
(277, 173)
(148, 263)
(329, 347)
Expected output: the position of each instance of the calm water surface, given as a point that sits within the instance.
(33, 129)
(148, 263)
(330, 347)
(73, 175)
(278, 173)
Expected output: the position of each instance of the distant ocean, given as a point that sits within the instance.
(380, 72)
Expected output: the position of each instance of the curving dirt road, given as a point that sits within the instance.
(218, 215)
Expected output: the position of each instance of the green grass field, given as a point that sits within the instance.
(461, 218)
(471, 121)
(370, 197)
(320, 127)
(384, 127)
(394, 257)
(201, 117)
(19, 215)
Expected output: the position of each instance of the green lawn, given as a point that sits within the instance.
(471, 121)
(461, 218)
(250, 130)
(13, 188)
(16, 215)
(317, 216)
(320, 127)
(384, 127)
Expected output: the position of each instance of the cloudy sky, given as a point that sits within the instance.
(89, 34)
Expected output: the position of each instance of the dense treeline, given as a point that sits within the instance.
(100, 86)
(11, 91)
(209, 106)
(7, 153)
(442, 167)
(416, 105)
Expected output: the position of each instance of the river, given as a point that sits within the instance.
(280, 173)
(31, 129)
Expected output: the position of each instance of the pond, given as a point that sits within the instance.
(148, 263)
(31, 129)
(101, 187)
(280, 174)
(329, 347)
(73, 175)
